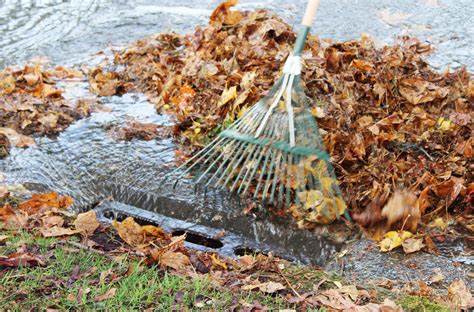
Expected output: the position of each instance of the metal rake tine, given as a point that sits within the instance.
(247, 163)
(281, 189)
(289, 178)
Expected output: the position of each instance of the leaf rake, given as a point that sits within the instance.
(274, 150)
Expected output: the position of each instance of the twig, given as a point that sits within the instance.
(83, 247)
(288, 282)
(404, 222)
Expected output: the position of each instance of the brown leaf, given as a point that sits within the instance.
(56, 231)
(459, 295)
(109, 294)
(19, 140)
(21, 259)
(86, 222)
(418, 91)
(412, 245)
(402, 208)
(175, 260)
(130, 231)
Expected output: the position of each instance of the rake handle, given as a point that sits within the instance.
(308, 17)
(310, 12)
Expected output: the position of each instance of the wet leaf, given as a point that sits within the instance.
(130, 231)
(394, 239)
(16, 138)
(411, 245)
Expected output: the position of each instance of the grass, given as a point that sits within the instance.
(74, 279)
(53, 286)
(420, 304)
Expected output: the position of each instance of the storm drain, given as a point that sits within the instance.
(226, 231)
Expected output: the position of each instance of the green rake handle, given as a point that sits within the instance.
(308, 17)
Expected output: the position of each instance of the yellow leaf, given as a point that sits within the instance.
(57, 231)
(444, 124)
(394, 239)
(228, 95)
(311, 199)
(216, 261)
(438, 223)
(130, 231)
(7, 85)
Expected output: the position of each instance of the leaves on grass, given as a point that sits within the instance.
(109, 294)
(175, 260)
(21, 259)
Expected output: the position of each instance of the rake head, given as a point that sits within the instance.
(274, 153)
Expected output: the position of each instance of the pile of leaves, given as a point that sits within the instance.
(31, 102)
(391, 123)
(45, 214)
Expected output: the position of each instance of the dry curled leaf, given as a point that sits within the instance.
(86, 223)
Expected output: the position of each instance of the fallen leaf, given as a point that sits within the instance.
(56, 231)
(21, 259)
(175, 260)
(411, 245)
(402, 209)
(17, 139)
(394, 239)
(86, 223)
(437, 277)
(130, 231)
(109, 294)
(459, 295)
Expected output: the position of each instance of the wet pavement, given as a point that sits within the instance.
(87, 164)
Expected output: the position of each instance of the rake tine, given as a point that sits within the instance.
(282, 180)
(275, 177)
(239, 146)
(245, 147)
(269, 177)
(251, 154)
(262, 172)
(248, 150)
(262, 150)
(201, 176)
(289, 178)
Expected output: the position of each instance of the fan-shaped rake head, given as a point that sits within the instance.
(273, 155)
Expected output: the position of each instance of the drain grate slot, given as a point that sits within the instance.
(242, 251)
(198, 239)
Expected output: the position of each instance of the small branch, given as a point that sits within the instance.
(288, 282)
